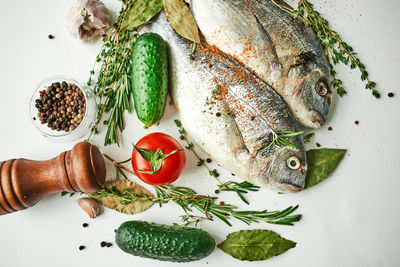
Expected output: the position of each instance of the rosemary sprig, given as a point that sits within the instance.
(191, 219)
(335, 48)
(207, 206)
(238, 188)
(279, 139)
(188, 199)
(113, 85)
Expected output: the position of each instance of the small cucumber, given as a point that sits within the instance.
(164, 242)
(149, 77)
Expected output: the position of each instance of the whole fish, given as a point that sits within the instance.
(232, 114)
(279, 48)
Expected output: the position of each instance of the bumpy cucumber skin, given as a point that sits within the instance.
(164, 242)
(149, 77)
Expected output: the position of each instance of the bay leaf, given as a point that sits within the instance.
(255, 245)
(114, 202)
(181, 19)
(321, 163)
(140, 12)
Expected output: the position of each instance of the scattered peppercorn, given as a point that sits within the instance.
(216, 191)
(356, 122)
(329, 128)
(105, 244)
(390, 94)
(318, 144)
(215, 173)
(218, 114)
(208, 160)
(85, 225)
(61, 106)
(232, 174)
(34, 118)
(182, 137)
(51, 36)
(82, 247)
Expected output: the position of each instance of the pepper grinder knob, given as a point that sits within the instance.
(25, 182)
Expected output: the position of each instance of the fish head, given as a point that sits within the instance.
(308, 89)
(282, 169)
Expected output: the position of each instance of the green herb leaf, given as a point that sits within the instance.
(321, 163)
(178, 123)
(140, 12)
(110, 196)
(279, 139)
(308, 137)
(255, 245)
(181, 19)
(155, 158)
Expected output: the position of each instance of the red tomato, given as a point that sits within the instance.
(171, 167)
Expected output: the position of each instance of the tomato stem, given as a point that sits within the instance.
(154, 158)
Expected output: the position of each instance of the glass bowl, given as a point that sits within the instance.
(63, 136)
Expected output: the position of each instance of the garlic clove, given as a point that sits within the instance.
(90, 206)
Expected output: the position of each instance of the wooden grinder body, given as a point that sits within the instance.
(24, 182)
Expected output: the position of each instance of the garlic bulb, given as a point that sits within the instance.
(88, 19)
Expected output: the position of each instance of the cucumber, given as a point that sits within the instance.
(164, 242)
(149, 77)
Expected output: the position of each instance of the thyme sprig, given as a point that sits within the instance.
(113, 86)
(238, 188)
(118, 167)
(335, 48)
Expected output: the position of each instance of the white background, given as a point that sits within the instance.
(351, 219)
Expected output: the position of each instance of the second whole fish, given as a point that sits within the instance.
(280, 49)
(232, 114)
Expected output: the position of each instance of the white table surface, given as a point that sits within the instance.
(351, 219)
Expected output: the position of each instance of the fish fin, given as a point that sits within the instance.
(275, 67)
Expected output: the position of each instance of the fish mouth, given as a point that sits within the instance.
(292, 188)
(316, 117)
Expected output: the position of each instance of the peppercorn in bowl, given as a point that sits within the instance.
(62, 109)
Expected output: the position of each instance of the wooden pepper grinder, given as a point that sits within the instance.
(24, 182)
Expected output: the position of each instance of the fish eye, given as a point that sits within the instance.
(322, 88)
(293, 163)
